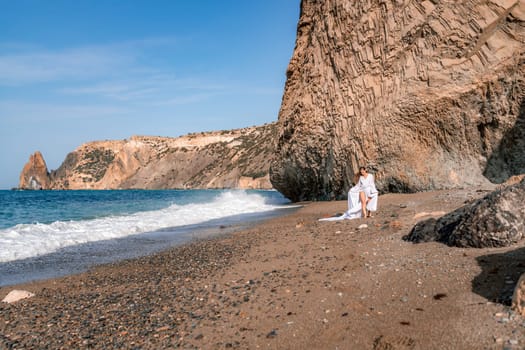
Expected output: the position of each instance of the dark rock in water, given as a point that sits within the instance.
(497, 220)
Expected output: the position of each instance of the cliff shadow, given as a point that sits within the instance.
(499, 274)
(508, 158)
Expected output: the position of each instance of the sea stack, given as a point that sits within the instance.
(35, 175)
(428, 94)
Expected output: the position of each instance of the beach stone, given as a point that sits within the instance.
(496, 220)
(16, 295)
(433, 213)
(394, 342)
(272, 334)
(421, 214)
(396, 224)
(518, 298)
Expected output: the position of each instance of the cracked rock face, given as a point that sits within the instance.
(497, 220)
(428, 94)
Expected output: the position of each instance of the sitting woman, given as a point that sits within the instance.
(369, 197)
(362, 198)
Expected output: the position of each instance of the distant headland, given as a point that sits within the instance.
(237, 158)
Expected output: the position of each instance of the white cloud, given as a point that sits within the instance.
(184, 100)
(266, 91)
(47, 66)
(101, 80)
(22, 64)
(156, 89)
(114, 74)
(118, 90)
(27, 112)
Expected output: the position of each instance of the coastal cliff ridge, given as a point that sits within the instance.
(238, 158)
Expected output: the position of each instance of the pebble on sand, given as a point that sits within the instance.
(16, 295)
(433, 213)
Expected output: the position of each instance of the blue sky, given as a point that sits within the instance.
(79, 71)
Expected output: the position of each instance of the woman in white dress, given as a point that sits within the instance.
(362, 198)
(368, 187)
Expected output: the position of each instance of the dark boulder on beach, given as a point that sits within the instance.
(496, 220)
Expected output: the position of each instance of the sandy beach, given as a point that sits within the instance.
(288, 283)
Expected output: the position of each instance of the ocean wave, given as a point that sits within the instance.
(29, 240)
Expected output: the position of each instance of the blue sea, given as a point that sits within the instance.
(47, 234)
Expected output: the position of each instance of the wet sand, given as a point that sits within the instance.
(80, 258)
(288, 283)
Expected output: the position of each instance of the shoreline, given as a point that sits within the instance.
(289, 282)
(71, 260)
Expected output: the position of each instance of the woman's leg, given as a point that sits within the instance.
(362, 199)
(372, 203)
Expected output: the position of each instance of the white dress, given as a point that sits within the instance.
(366, 185)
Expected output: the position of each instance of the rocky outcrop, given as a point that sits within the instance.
(35, 176)
(512, 181)
(225, 159)
(428, 94)
(497, 220)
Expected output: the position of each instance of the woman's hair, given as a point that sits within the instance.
(362, 168)
(356, 178)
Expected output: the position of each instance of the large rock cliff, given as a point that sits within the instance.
(225, 159)
(35, 176)
(428, 94)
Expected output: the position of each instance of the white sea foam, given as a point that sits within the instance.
(29, 240)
